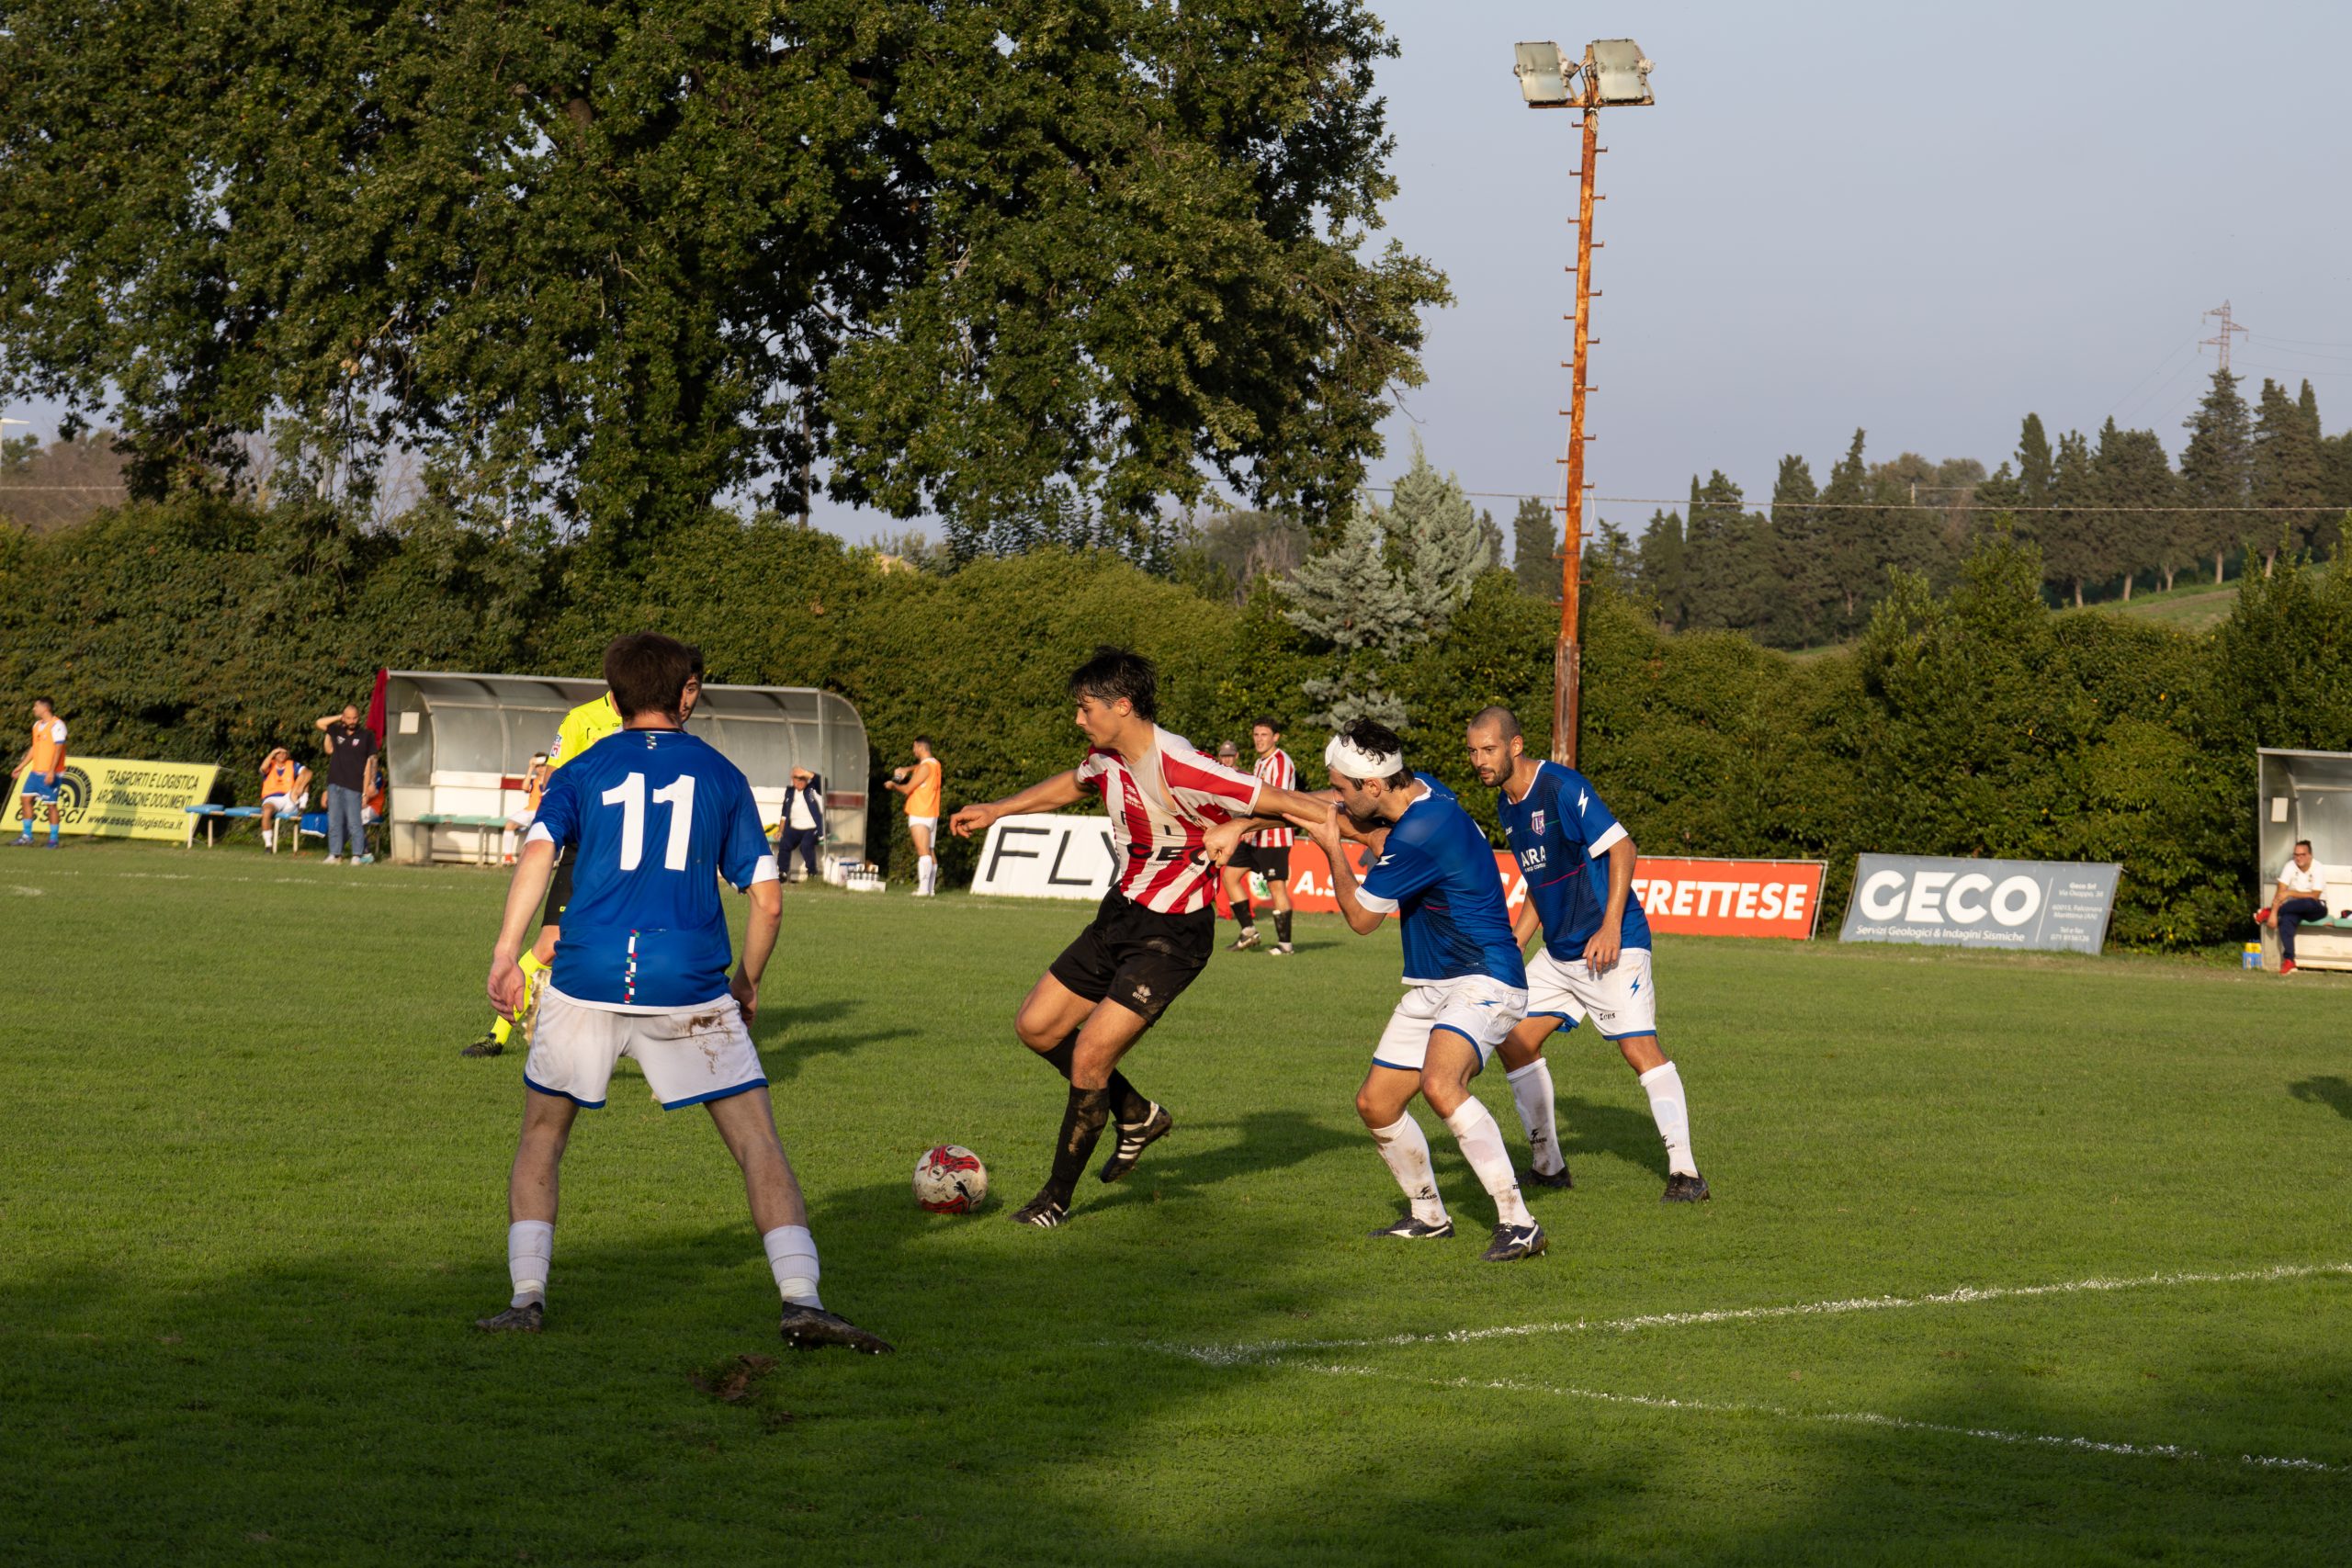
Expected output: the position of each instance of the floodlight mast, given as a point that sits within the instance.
(1614, 72)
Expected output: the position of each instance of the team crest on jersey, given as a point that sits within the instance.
(1535, 822)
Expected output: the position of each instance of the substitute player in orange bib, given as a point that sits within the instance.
(43, 760)
(1156, 926)
(285, 792)
(921, 786)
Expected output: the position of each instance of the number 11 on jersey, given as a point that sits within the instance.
(678, 795)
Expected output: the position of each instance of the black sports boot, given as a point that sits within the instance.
(1134, 1139)
(1685, 1189)
(524, 1319)
(1533, 1177)
(813, 1328)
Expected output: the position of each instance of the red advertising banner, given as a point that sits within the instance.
(1681, 896)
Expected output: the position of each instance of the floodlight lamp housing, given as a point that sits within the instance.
(1544, 73)
(1618, 72)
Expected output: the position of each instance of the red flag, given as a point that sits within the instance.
(376, 708)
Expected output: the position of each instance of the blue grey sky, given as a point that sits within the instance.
(1920, 220)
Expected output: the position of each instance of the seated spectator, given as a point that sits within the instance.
(804, 824)
(285, 792)
(2299, 898)
(535, 784)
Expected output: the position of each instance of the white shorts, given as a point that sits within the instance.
(689, 1054)
(284, 805)
(1479, 1008)
(1621, 1003)
(521, 820)
(928, 824)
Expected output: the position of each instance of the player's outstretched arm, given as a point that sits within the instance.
(1046, 794)
(1324, 830)
(524, 896)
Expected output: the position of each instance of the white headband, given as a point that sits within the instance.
(1351, 761)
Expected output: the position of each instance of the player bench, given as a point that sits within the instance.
(2319, 944)
(212, 816)
(483, 825)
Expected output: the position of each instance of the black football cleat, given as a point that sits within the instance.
(1134, 1140)
(1558, 1179)
(814, 1329)
(1685, 1189)
(1244, 942)
(1044, 1211)
(1411, 1229)
(488, 1045)
(515, 1320)
(1513, 1243)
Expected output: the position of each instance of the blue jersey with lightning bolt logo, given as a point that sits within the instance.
(1437, 871)
(1561, 834)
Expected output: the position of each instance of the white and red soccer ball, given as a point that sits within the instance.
(950, 1180)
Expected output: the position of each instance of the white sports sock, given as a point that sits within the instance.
(792, 1258)
(1481, 1138)
(530, 1252)
(507, 844)
(269, 838)
(1531, 1091)
(1407, 1153)
(1664, 1085)
(927, 875)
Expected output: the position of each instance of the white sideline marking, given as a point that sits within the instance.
(1845, 1419)
(1965, 1295)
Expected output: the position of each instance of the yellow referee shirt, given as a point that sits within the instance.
(582, 728)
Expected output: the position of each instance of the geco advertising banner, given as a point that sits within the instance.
(1948, 902)
(112, 798)
(1048, 855)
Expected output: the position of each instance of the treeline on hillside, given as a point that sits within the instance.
(1968, 719)
(2107, 512)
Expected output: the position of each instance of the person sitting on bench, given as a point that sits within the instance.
(285, 792)
(2297, 901)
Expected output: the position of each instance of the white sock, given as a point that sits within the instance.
(1407, 1153)
(1664, 1085)
(530, 1251)
(1531, 1091)
(792, 1258)
(927, 875)
(1481, 1138)
(507, 844)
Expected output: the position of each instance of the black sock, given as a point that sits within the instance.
(1128, 1106)
(1242, 915)
(1082, 1123)
(1282, 927)
(1061, 1055)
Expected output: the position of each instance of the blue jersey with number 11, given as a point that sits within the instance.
(653, 818)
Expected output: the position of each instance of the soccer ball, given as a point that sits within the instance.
(950, 1180)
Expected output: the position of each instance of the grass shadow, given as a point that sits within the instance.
(1589, 1129)
(2334, 1092)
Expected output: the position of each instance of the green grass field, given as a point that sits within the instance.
(252, 1198)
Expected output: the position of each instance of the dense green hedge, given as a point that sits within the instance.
(1974, 722)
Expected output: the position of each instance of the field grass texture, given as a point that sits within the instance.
(2011, 1258)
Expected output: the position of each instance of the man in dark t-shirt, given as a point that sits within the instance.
(351, 779)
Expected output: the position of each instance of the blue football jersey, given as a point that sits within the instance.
(1560, 835)
(653, 818)
(1439, 870)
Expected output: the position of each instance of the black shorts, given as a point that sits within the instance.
(559, 892)
(1137, 957)
(1271, 862)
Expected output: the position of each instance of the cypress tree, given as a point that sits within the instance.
(2072, 550)
(1536, 548)
(1662, 562)
(1850, 552)
(2217, 469)
(2287, 470)
(2134, 472)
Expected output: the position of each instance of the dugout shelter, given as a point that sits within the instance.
(2307, 795)
(456, 745)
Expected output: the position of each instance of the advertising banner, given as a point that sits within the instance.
(1046, 856)
(1942, 901)
(109, 797)
(1056, 856)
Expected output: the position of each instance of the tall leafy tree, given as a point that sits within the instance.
(1661, 557)
(611, 261)
(1802, 563)
(1536, 548)
(2289, 480)
(2075, 548)
(2135, 479)
(1851, 551)
(2217, 470)
(2036, 465)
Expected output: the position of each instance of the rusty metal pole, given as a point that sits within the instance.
(1567, 658)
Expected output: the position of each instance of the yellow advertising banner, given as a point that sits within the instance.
(109, 797)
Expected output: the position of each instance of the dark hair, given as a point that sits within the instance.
(1115, 672)
(44, 702)
(1370, 735)
(923, 740)
(2302, 843)
(1502, 718)
(647, 673)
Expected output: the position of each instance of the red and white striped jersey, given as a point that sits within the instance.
(1275, 768)
(1157, 824)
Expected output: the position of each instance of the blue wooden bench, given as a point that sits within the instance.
(212, 816)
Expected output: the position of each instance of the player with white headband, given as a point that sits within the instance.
(1468, 983)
